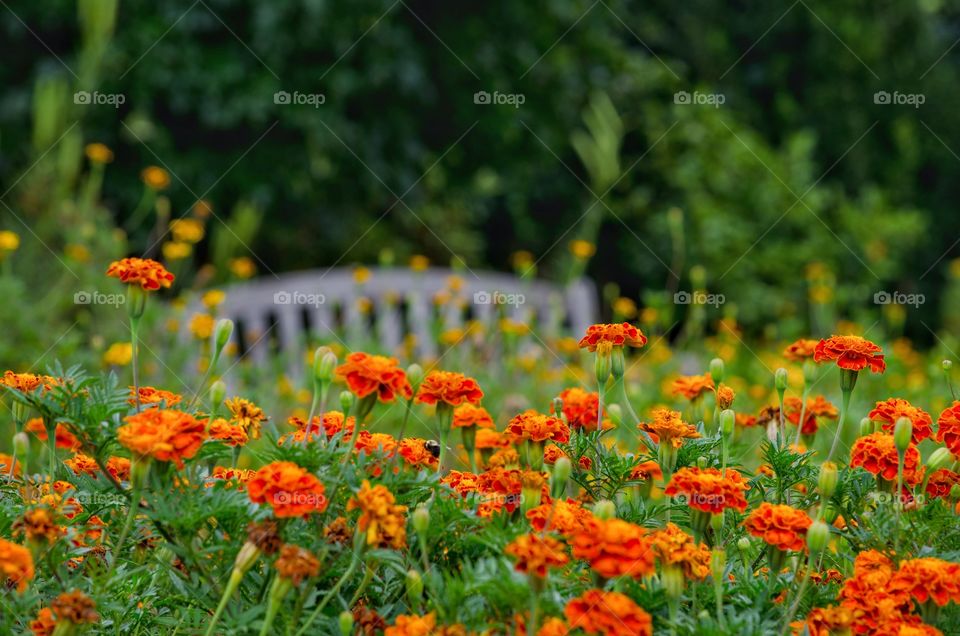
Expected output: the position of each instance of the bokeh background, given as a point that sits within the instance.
(797, 157)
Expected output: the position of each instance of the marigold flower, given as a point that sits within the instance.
(74, 607)
(186, 230)
(816, 407)
(118, 354)
(289, 489)
(692, 386)
(644, 471)
(614, 547)
(372, 443)
(414, 452)
(232, 476)
(151, 396)
(381, 518)
(824, 621)
(448, 387)
(800, 350)
(147, 273)
(708, 489)
(462, 482)
(607, 336)
(779, 525)
(467, 415)
(64, 438)
(725, 396)
(850, 352)
(223, 431)
(675, 548)
(488, 438)
(16, 565)
(669, 427)
(246, 414)
(745, 420)
(82, 464)
(413, 626)
(927, 578)
(535, 427)
(534, 554)
(366, 374)
(566, 517)
(119, 468)
(97, 152)
(296, 563)
(948, 427)
(580, 408)
(554, 627)
(940, 482)
(202, 326)
(581, 249)
(6, 461)
(889, 411)
(877, 454)
(44, 623)
(155, 178)
(609, 614)
(28, 382)
(163, 434)
(332, 423)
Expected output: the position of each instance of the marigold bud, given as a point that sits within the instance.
(716, 522)
(728, 420)
(902, 432)
(716, 370)
(605, 509)
(602, 367)
(866, 427)
(324, 362)
(415, 374)
(818, 535)
(827, 481)
(561, 474)
(809, 372)
(346, 623)
(780, 380)
(21, 444)
(218, 391)
(955, 492)
(744, 544)
(221, 333)
(421, 519)
(940, 458)
(346, 402)
(672, 579)
(414, 585)
(947, 365)
(616, 362)
(848, 380)
(718, 563)
(830, 512)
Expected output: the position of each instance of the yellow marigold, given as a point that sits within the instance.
(155, 178)
(119, 354)
(202, 326)
(669, 427)
(213, 298)
(289, 489)
(534, 554)
(247, 415)
(296, 563)
(242, 267)
(163, 434)
(692, 386)
(779, 525)
(614, 547)
(186, 230)
(98, 153)
(16, 564)
(176, 251)
(147, 273)
(675, 548)
(608, 614)
(582, 250)
(381, 518)
(419, 263)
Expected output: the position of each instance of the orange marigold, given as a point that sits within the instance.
(223, 431)
(6, 461)
(927, 578)
(675, 548)
(850, 352)
(16, 565)
(614, 547)
(534, 554)
(725, 396)
(566, 517)
(372, 443)
(488, 439)
(816, 407)
(332, 423)
(163, 434)
(119, 468)
(147, 273)
(82, 464)
(289, 489)
(779, 525)
(824, 621)
(296, 563)
(877, 454)
(940, 482)
(74, 607)
(381, 518)
(366, 374)
(448, 387)
(27, 382)
(536, 427)
(609, 614)
(462, 482)
(413, 626)
(580, 408)
(607, 336)
(948, 427)
(554, 627)
(64, 438)
(708, 489)
(649, 470)
(889, 411)
(151, 395)
(692, 386)
(246, 415)
(469, 415)
(414, 452)
(44, 623)
(232, 476)
(669, 427)
(800, 350)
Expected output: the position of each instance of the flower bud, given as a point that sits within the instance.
(414, 585)
(818, 535)
(702, 462)
(421, 519)
(561, 474)
(866, 427)
(615, 413)
(940, 458)
(848, 380)
(345, 622)
(605, 509)
(955, 492)
(947, 365)
(602, 367)
(415, 374)
(809, 372)
(780, 380)
(744, 544)
(218, 391)
(324, 362)
(716, 370)
(902, 432)
(346, 402)
(616, 362)
(728, 420)
(716, 522)
(672, 579)
(221, 334)
(830, 512)
(21, 444)
(718, 563)
(827, 481)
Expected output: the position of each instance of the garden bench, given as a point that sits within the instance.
(274, 315)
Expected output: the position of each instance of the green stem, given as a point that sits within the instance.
(625, 401)
(134, 358)
(330, 595)
(844, 407)
(127, 526)
(235, 577)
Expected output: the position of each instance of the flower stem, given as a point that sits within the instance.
(844, 407)
(127, 526)
(330, 594)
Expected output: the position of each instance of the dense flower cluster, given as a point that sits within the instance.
(608, 614)
(535, 554)
(877, 453)
(709, 489)
(779, 525)
(614, 547)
